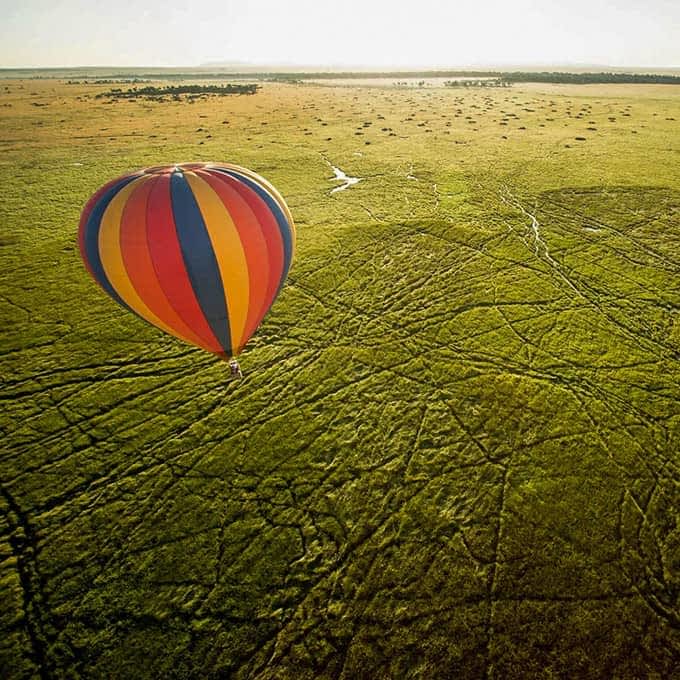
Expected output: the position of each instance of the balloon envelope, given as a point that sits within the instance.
(199, 250)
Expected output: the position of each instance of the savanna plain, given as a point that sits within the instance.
(455, 452)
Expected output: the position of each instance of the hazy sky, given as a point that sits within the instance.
(353, 32)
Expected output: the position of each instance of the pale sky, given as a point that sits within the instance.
(381, 33)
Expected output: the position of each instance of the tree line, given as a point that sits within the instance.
(484, 82)
(178, 90)
(586, 78)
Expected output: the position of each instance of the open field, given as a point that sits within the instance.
(456, 450)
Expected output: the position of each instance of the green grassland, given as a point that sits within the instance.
(456, 449)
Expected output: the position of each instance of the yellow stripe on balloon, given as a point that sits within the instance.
(270, 189)
(112, 256)
(231, 259)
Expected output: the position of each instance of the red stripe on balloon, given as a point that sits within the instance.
(168, 263)
(272, 238)
(254, 248)
(139, 265)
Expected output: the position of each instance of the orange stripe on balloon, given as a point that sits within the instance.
(254, 247)
(139, 266)
(228, 250)
(112, 257)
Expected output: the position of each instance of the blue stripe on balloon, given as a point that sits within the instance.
(92, 227)
(199, 259)
(282, 220)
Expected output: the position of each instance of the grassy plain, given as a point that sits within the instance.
(456, 449)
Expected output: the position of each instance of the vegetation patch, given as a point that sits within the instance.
(178, 91)
(590, 78)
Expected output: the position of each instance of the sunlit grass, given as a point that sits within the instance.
(455, 451)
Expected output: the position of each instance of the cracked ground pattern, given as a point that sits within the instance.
(456, 449)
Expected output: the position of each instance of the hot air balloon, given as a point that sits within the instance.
(200, 250)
